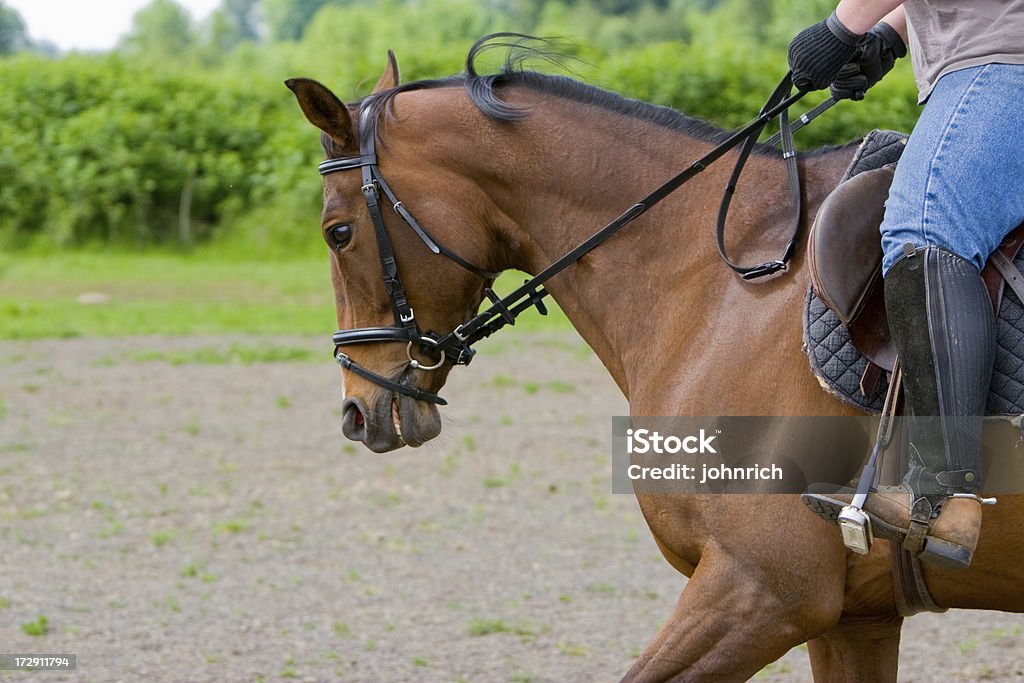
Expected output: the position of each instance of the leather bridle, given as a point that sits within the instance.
(455, 347)
(406, 328)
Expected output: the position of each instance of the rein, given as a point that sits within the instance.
(455, 347)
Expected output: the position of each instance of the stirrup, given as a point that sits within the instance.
(854, 523)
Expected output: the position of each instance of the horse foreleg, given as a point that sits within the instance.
(857, 651)
(733, 619)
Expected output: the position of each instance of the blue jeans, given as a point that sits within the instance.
(960, 181)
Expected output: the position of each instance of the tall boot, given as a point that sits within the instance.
(941, 320)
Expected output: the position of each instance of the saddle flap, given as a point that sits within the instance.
(843, 251)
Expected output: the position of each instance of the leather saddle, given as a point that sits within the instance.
(844, 256)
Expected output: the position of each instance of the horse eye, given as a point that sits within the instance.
(338, 236)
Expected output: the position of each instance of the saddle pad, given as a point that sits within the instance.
(838, 365)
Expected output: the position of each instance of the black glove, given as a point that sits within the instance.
(878, 51)
(818, 53)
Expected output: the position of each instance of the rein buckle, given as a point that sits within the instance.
(766, 268)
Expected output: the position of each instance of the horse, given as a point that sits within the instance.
(513, 169)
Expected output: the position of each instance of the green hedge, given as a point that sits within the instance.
(96, 150)
(108, 150)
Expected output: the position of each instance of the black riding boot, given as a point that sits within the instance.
(942, 323)
(941, 320)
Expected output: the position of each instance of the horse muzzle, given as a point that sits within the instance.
(395, 420)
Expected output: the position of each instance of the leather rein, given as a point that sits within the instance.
(455, 347)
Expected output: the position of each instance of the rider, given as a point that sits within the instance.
(957, 191)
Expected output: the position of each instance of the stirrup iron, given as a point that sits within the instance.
(854, 523)
(855, 526)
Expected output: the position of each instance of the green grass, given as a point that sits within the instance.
(161, 538)
(235, 354)
(162, 293)
(39, 627)
(483, 627)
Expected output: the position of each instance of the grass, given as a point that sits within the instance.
(231, 526)
(39, 627)
(161, 538)
(160, 294)
(166, 293)
(484, 627)
(235, 354)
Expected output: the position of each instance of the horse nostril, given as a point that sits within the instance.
(353, 420)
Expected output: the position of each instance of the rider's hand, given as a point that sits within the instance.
(818, 52)
(878, 51)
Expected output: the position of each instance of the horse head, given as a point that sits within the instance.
(395, 292)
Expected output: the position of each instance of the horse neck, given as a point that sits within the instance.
(650, 298)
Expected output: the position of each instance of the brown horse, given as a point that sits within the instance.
(515, 170)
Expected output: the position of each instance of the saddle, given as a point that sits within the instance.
(844, 258)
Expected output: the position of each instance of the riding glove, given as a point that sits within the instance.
(878, 51)
(818, 52)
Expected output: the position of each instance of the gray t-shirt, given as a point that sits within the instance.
(947, 35)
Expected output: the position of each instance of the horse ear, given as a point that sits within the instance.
(324, 110)
(388, 79)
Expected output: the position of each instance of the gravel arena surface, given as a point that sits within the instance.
(176, 515)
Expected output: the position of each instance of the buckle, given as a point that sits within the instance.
(766, 268)
(463, 356)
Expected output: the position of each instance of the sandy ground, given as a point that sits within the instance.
(205, 521)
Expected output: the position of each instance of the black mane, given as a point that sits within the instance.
(483, 90)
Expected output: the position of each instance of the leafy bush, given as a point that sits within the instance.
(97, 150)
(135, 150)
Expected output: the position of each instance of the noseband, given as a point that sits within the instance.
(455, 346)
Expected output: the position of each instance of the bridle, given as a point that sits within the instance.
(406, 328)
(455, 347)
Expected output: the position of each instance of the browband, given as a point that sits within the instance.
(347, 163)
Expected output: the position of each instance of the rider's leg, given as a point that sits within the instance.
(958, 190)
(942, 323)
